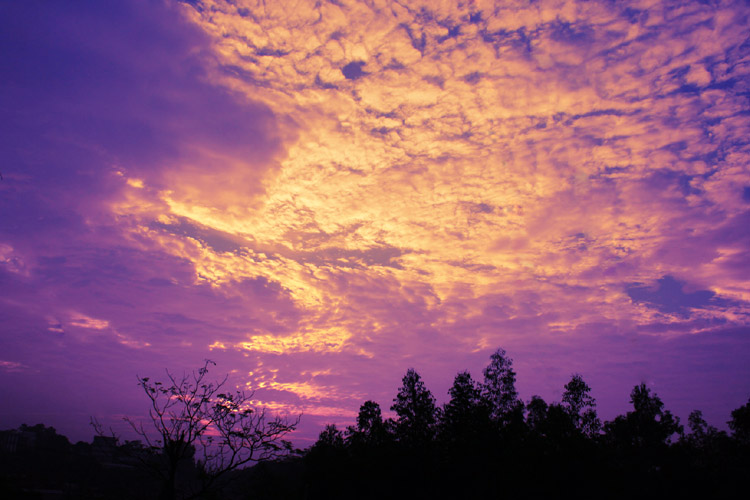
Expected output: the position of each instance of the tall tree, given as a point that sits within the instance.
(464, 416)
(740, 423)
(370, 430)
(702, 436)
(536, 414)
(649, 425)
(581, 406)
(415, 407)
(330, 437)
(370, 418)
(326, 465)
(499, 389)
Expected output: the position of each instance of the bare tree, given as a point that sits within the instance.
(191, 416)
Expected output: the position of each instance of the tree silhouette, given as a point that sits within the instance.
(370, 430)
(330, 437)
(536, 414)
(499, 389)
(464, 417)
(415, 407)
(581, 406)
(740, 424)
(326, 462)
(190, 415)
(701, 434)
(648, 426)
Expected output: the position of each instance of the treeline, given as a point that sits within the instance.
(485, 442)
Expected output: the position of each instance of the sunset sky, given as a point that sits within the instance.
(320, 195)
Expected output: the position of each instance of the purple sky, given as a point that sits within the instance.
(320, 197)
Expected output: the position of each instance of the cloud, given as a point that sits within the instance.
(11, 366)
(552, 150)
(339, 190)
(668, 296)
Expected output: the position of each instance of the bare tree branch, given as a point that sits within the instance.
(191, 414)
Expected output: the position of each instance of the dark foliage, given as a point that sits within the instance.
(417, 414)
(486, 443)
(740, 424)
(499, 390)
(483, 443)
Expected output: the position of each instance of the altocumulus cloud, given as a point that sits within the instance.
(321, 196)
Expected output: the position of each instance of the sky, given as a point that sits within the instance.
(319, 195)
